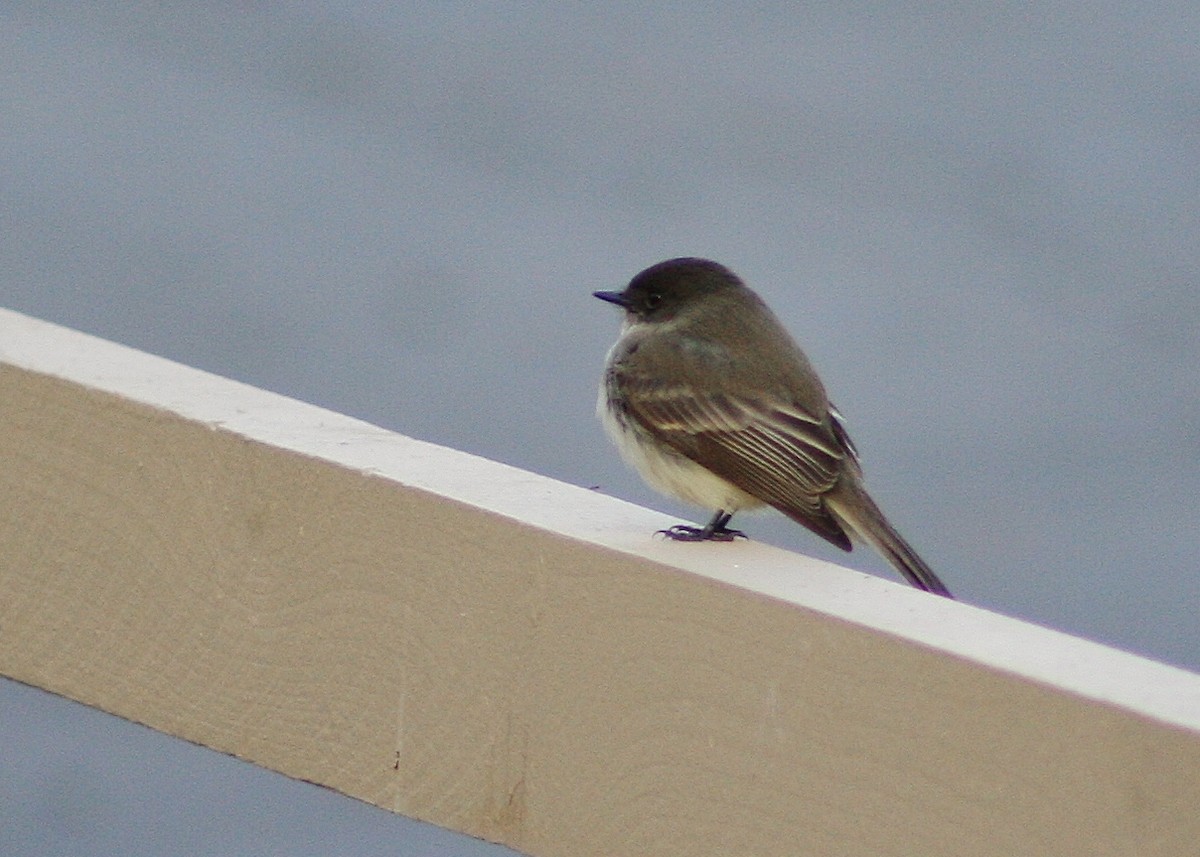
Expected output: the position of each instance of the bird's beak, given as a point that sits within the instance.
(617, 298)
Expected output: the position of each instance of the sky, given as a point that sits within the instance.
(980, 223)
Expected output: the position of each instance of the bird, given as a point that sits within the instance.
(710, 399)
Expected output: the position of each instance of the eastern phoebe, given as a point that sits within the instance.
(711, 400)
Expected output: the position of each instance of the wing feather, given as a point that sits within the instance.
(771, 448)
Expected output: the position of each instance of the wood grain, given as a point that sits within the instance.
(564, 691)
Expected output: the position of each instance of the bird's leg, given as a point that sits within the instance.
(714, 531)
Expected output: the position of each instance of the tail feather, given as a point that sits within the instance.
(859, 514)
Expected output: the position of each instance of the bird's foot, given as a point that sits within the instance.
(688, 533)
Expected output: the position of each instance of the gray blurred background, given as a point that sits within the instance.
(981, 224)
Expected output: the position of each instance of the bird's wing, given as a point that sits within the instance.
(769, 446)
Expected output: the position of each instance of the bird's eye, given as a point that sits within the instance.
(653, 299)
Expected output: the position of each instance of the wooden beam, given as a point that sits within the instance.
(518, 659)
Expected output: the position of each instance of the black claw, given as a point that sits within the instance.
(682, 533)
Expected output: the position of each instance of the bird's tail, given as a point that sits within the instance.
(855, 509)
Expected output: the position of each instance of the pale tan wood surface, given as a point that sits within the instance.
(529, 666)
